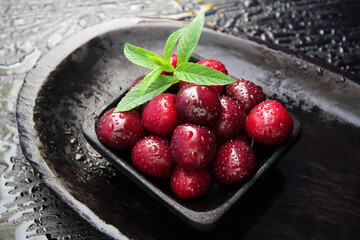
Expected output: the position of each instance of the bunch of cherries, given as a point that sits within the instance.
(194, 133)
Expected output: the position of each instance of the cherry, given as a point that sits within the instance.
(160, 115)
(190, 183)
(151, 155)
(193, 146)
(246, 93)
(214, 64)
(120, 130)
(235, 161)
(199, 105)
(232, 119)
(269, 123)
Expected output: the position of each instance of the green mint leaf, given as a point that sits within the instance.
(201, 75)
(155, 83)
(171, 42)
(149, 79)
(166, 66)
(140, 56)
(189, 39)
(133, 99)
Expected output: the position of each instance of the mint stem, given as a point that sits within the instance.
(252, 143)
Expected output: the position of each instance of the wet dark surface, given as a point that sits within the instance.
(326, 30)
(313, 194)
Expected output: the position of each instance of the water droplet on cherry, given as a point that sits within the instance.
(110, 127)
(188, 135)
(153, 149)
(167, 104)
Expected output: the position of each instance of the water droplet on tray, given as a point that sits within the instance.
(320, 71)
(79, 157)
(340, 80)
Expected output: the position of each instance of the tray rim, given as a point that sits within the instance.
(42, 69)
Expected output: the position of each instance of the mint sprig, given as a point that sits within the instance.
(149, 79)
(133, 98)
(201, 75)
(190, 39)
(141, 56)
(155, 83)
(171, 42)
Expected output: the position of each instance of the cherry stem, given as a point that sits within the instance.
(252, 143)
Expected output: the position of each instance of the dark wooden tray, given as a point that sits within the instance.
(203, 213)
(86, 71)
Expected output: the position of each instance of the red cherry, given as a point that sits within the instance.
(151, 155)
(160, 115)
(193, 146)
(189, 183)
(235, 161)
(120, 130)
(199, 105)
(231, 121)
(269, 123)
(214, 64)
(246, 93)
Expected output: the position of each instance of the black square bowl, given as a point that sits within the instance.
(203, 213)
